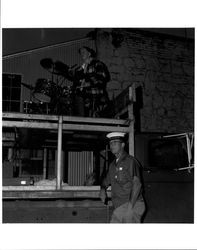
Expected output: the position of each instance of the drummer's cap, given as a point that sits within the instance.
(91, 51)
(116, 136)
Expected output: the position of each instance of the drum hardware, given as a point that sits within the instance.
(30, 107)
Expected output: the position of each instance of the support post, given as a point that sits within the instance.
(131, 140)
(131, 116)
(106, 157)
(59, 154)
(45, 163)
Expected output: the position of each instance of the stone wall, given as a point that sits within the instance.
(162, 65)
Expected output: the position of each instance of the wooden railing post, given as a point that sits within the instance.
(59, 154)
(45, 163)
(132, 99)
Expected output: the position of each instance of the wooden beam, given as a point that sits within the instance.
(47, 125)
(29, 116)
(50, 194)
(50, 188)
(95, 120)
(69, 119)
(95, 128)
(60, 203)
(27, 124)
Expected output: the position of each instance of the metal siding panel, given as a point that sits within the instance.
(79, 165)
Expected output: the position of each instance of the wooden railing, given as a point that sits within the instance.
(59, 124)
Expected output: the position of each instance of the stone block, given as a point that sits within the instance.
(171, 113)
(126, 84)
(165, 87)
(129, 63)
(152, 63)
(139, 62)
(147, 110)
(147, 101)
(116, 60)
(167, 101)
(148, 78)
(114, 68)
(165, 68)
(137, 76)
(188, 69)
(114, 76)
(114, 85)
(116, 53)
(166, 77)
(157, 101)
(105, 53)
(124, 76)
(177, 103)
(161, 112)
(177, 68)
(149, 85)
(123, 51)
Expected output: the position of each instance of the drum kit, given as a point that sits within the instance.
(49, 96)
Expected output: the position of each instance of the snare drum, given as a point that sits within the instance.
(44, 90)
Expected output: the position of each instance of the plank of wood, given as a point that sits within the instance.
(14, 115)
(50, 194)
(26, 124)
(52, 187)
(69, 119)
(95, 128)
(47, 125)
(60, 203)
(95, 120)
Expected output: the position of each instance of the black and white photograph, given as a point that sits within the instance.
(98, 126)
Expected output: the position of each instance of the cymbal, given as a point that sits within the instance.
(61, 68)
(47, 63)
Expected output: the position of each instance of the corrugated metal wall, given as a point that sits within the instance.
(80, 164)
(28, 63)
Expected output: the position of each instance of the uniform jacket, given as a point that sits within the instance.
(120, 177)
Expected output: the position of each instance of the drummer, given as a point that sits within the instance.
(90, 83)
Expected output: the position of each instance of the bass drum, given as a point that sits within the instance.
(44, 90)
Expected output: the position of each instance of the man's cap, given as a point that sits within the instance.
(91, 51)
(116, 136)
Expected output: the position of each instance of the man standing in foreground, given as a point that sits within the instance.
(126, 187)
